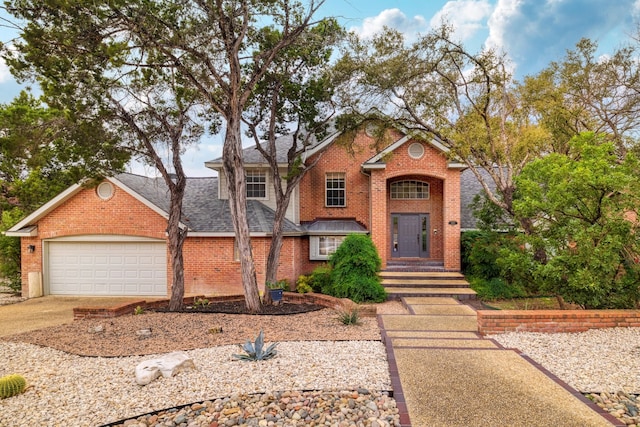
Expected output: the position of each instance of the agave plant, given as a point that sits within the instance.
(255, 351)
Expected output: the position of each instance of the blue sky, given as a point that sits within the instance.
(532, 33)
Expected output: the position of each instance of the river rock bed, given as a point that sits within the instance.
(291, 408)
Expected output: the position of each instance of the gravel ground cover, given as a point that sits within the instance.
(603, 364)
(324, 363)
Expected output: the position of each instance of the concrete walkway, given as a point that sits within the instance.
(50, 310)
(444, 374)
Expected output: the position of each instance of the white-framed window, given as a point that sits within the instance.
(256, 184)
(335, 190)
(321, 247)
(410, 190)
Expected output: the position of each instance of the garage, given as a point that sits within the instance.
(111, 268)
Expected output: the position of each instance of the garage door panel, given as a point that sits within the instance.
(107, 268)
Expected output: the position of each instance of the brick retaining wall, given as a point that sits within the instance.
(293, 297)
(551, 321)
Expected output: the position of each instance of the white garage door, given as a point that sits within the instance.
(107, 268)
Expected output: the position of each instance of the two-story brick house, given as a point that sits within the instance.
(111, 239)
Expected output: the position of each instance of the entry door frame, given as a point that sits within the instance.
(416, 242)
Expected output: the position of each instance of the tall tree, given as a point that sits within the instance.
(435, 88)
(93, 67)
(584, 205)
(293, 103)
(585, 92)
(216, 46)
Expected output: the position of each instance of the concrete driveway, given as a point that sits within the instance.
(38, 313)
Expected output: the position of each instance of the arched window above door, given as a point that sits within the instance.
(410, 189)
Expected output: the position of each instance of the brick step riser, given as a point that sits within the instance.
(397, 296)
(433, 286)
(410, 279)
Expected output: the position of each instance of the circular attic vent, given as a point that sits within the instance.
(416, 150)
(105, 190)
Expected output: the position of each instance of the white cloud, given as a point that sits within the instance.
(535, 32)
(392, 18)
(466, 17)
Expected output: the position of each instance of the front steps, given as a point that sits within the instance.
(400, 284)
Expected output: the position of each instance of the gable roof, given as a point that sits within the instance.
(253, 157)
(202, 212)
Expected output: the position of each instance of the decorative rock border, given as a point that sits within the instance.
(492, 322)
(292, 297)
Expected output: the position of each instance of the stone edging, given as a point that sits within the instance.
(96, 312)
(552, 321)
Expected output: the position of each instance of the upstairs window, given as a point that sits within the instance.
(409, 190)
(256, 184)
(335, 189)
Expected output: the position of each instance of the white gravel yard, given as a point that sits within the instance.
(70, 390)
(595, 361)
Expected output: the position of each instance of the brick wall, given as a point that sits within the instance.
(551, 321)
(209, 266)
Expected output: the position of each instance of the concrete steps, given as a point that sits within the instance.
(411, 283)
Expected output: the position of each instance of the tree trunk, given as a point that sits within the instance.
(234, 170)
(176, 236)
(275, 247)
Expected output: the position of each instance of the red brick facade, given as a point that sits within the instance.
(368, 200)
(209, 265)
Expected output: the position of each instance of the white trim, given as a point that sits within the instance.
(320, 146)
(110, 190)
(104, 238)
(314, 247)
(266, 182)
(29, 231)
(389, 149)
(344, 190)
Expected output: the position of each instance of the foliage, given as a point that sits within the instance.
(582, 205)
(45, 150)
(255, 352)
(481, 251)
(586, 91)
(200, 302)
(303, 284)
(355, 266)
(12, 385)
(10, 250)
(495, 288)
(321, 278)
(280, 284)
(138, 310)
(349, 317)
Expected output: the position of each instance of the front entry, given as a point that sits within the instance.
(410, 235)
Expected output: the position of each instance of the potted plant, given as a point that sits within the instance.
(276, 289)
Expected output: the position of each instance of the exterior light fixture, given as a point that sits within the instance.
(31, 248)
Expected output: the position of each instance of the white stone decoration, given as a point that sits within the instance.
(167, 366)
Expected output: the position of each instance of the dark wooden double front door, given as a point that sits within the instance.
(410, 235)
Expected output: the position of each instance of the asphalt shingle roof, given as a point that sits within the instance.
(202, 211)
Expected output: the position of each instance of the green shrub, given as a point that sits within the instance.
(354, 275)
(481, 252)
(321, 278)
(303, 284)
(495, 288)
(10, 251)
